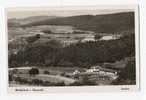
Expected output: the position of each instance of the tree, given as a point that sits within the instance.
(97, 37)
(10, 78)
(129, 72)
(32, 39)
(33, 71)
(127, 75)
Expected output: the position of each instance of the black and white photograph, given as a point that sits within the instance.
(72, 47)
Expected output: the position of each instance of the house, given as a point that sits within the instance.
(96, 73)
(68, 42)
(93, 69)
(76, 72)
(99, 71)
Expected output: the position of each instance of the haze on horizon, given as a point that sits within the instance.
(62, 13)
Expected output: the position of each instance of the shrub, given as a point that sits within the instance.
(47, 83)
(10, 78)
(17, 79)
(46, 72)
(62, 74)
(60, 84)
(33, 71)
(76, 84)
(37, 82)
(23, 81)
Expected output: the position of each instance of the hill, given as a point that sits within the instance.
(28, 20)
(107, 23)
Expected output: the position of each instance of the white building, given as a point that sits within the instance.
(110, 37)
(76, 72)
(88, 38)
(68, 42)
(93, 69)
(102, 72)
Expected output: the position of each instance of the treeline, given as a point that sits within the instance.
(80, 54)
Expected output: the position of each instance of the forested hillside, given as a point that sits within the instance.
(80, 54)
(98, 23)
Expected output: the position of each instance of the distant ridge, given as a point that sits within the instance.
(108, 23)
(28, 20)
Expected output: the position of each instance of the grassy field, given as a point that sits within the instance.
(60, 70)
(18, 31)
(49, 78)
(55, 75)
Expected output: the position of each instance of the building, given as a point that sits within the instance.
(67, 42)
(111, 37)
(76, 72)
(99, 73)
(89, 37)
(93, 69)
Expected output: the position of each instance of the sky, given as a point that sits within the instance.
(27, 13)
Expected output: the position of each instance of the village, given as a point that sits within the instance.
(96, 74)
